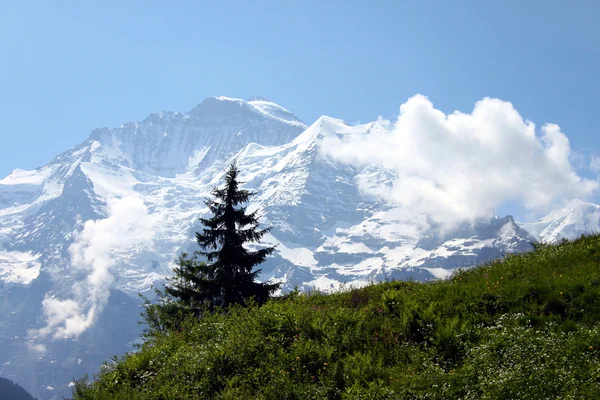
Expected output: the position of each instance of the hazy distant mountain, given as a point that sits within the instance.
(329, 233)
(11, 391)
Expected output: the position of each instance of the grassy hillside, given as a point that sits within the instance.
(527, 327)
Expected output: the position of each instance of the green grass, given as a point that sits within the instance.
(526, 327)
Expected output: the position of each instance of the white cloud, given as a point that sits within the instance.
(462, 167)
(595, 163)
(36, 347)
(128, 225)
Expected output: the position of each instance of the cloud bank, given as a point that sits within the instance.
(128, 225)
(461, 167)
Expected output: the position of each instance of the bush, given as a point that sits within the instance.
(525, 327)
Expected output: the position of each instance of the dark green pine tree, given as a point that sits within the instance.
(228, 276)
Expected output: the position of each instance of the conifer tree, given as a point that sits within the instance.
(228, 276)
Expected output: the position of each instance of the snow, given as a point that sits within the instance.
(324, 284)
(232, 99)
(140, 281)
(354, 248)
(19, 267)
(324, 127)
(95, 146)
(108, 183)
(22, 177)
(362, 268)
(440, 273)
(331, 236)
(298, 255)
(569, 222)
(275, 111)
(197, 157)
(399, 253)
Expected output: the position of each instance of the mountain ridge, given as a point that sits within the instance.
(330, 233)
(12, 391)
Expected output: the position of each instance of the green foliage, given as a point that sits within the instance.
(526, 327)
(164, 316)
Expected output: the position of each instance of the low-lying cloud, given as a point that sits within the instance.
(462, 167)
(128, 225)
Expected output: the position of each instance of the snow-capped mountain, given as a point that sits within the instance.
(167, 160)
(329, 233)
(573, 220)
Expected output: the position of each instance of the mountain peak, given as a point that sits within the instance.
(575, 218)
(223, 106)
(257, 98)
(226, 99)
(579, 204)
(218, 106)
(575, 208)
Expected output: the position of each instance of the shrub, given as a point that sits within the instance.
(525, 327)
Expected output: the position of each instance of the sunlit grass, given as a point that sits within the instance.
(526, 327)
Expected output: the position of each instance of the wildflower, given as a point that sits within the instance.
(325, 364)
(560, 292)
(297, 358)
(591, 347)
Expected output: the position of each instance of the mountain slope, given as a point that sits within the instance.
(42, 213)
(330, 234)
(573, 220)
(526, 327)
(11, 391)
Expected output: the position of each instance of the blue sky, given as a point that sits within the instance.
(68, 67)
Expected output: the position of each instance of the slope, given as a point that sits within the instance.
(524, 327)
(11, 391)
(576, 218)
